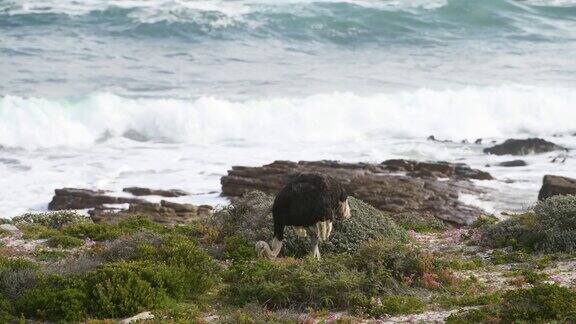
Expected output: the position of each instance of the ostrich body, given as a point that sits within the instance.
(310, 202)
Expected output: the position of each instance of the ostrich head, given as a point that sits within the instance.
(264, 250)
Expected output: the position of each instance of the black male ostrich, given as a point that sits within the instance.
(310, 202)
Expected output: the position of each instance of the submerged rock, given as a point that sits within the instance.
(139, 191)
(523, 147)
(553, 185)
(513, 163)
(376, 184)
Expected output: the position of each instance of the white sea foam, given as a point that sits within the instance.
(229, 8)
(466, 113)
(105, 141)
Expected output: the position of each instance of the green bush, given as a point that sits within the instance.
(37, 231)
(250, 218)
(117, 291)
(5, 310)
(391, 266)
(17, 276)
(96, 232)
(54, 220)
(238, 249)
(420, 222)
(65, 242)
(138, 223)
(395, 305)
(294, 283)
(48, 255)
(475, 315)
(179, 252)
(55, 298)
(540, 303)
(551, 227)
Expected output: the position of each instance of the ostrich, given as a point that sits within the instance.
(310, 202)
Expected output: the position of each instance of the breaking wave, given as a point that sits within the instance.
(466, 113)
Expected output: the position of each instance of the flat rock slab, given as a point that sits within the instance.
(524, 147)
(139, 191)
(553, 185)
(377, 184)
(513, 163)
(103, 206)
(73, 198)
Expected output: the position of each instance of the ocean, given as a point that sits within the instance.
(106, 94)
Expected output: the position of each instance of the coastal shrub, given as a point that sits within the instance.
(117, 291)
(55, 298)
(541, 303)
(6, 310)
(93, 231)
(391, 266)
(65, 241)
(4, 233)
(551, 227)
(250, 218)
(420, 222)
(17, 276)
(290, 283)
(484, 314)
(179, 252)
(139, 223)
(41, 254)
(37, 231)
(394, 305)
(54, 219)
(238, 249)
(74, 264)
(126, 247)
(531, 276)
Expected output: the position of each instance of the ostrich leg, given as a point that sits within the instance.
(314, 242)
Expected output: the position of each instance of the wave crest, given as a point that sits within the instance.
(340, 117)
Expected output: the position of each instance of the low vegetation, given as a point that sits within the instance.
(550, 227)
(372, 267)
(542, 303)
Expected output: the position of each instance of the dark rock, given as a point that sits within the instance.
(436, 169)
(434, 139)
(523, 147)
(556, 185)
(478, 141)
(135, 136)
(560, 158)
(513, 163)
(165, 212)
(71, 198)
(138, 191)
(373, 183)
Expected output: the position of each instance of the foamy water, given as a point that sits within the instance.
(172, 93)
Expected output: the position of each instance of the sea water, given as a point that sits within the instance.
(171, 93)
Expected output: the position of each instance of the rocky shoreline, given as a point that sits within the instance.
(402, 187)
(413, 251)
